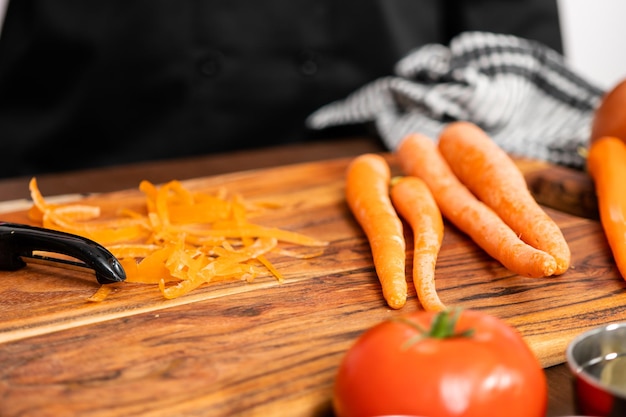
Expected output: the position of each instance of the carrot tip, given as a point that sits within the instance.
(396, 303)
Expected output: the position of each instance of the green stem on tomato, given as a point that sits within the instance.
(442, 327)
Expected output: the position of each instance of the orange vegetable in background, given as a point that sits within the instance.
(610, 117)
(606, 163)
(490, 173)
(367, 194)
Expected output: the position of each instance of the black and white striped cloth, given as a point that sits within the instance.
(521, 92)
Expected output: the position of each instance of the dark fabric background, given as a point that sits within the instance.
(104, 82)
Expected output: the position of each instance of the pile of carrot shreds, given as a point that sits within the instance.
(180, 239)
(466, 178)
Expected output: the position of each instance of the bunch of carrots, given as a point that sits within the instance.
(180, 239)
(466, 178)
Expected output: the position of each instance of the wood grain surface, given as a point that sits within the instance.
(264, 348)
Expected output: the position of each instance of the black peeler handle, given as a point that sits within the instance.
(19, 240)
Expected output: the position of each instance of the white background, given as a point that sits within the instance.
(594, 39)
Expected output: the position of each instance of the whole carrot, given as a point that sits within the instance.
(418, 155)
(490, 173)
(367, 194)
(606, 163)
(415, 203)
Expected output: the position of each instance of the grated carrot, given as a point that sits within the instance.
(100, 294)
(183, 240)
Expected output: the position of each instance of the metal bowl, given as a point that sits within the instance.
(597, 359)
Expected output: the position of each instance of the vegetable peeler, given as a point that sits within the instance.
(19, 242)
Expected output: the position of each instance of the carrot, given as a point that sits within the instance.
(418, 155)
(415, 203)
(367, 194)
(606, 163)
(490, 173)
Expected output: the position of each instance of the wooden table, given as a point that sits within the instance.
(128, 177)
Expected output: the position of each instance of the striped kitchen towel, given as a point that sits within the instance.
(521, 92)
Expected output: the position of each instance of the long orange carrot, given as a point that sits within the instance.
(606, 163)
(490, 173)
(415, 203)
(367, 194)
(418, 155)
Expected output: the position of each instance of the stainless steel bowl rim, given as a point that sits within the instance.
(577, 369)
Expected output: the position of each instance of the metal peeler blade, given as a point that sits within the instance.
(19, 242)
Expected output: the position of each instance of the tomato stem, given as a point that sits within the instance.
(442, 327)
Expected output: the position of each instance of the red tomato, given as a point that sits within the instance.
(396, 369)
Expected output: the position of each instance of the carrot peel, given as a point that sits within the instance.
(173, 243)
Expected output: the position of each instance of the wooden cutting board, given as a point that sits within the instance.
(265, 348)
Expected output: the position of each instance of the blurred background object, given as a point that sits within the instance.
(593, 34)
